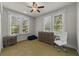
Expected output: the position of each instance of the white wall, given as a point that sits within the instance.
(0, 29)
(0, 26)
(0, 32)
(71, 25)
(78, 26)
(70, 17)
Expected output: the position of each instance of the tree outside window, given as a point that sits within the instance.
(58, 23)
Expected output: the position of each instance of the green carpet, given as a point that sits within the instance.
(35, 48)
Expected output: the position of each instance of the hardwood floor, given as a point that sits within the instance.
(35, 48)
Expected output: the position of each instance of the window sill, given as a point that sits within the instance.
(24, 33)
(20, 34)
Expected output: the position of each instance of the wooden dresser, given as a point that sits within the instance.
(9, 40)
(47, 37)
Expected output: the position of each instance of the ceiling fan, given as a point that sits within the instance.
(35, 7)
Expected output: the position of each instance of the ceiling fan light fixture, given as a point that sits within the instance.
(35, 7)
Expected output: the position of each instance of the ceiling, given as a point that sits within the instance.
(21, 7)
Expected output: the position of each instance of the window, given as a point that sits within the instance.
(19, 25)
(47, 24)
(14, 25)
(58, 23)
(54, 24)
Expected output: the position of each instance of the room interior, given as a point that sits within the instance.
(39, 28)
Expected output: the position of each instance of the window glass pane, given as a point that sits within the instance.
(47, 24)
(58, 23)
(14, 25)
(25, 24)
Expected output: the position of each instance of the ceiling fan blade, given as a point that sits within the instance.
(40, 6)
(33, 3)
(31, 11)
(38, 11)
